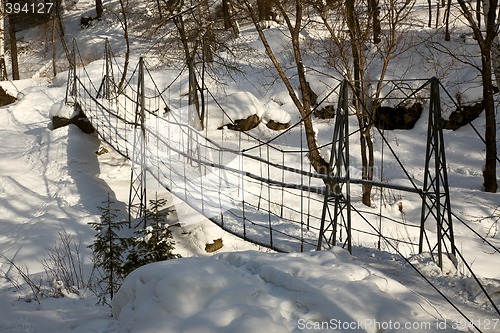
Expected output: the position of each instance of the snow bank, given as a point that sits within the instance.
(249, 291)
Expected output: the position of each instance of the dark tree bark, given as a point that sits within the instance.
(447, 35)
(374, 10)
(124, 22)
(478, 13)
(13, 48)
(265, 10)
(303, 105)
(227, 12)
(485, 43)
(190, 58)
(429, 22)
(367, 157)
(208, 37)
(99, 9)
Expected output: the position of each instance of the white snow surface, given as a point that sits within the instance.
(245, 291)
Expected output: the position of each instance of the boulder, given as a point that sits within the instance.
(234, 109)
(327, 112)
(212, 247)
(399, 117)
(245, 124)
(80, 120)
(5, 99)
(58, 122)
(277, 126)
(276, 119)
(463, 116)
(86, 21)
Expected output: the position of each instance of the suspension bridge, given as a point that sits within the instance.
(265, 192)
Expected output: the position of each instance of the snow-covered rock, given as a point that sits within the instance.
(237, 106)
(276, 119)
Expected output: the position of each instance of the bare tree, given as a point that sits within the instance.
(303, 102)
(13, 47)
(195, 31)
(99, 9)
(57, 29)
(374, 11)
(355, 54)
(265, 10)
(227, 12)
(190, 56)
(486, 40)
(124, 22)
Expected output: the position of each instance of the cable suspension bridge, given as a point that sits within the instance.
(264, 192)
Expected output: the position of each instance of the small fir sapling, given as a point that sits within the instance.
(155, 242)
(108, 249)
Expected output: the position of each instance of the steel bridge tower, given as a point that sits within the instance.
(137, 194)
(336, 214)
(436, 208)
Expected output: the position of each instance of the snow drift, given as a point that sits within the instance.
(248, 291)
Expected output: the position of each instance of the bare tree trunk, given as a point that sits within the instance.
(429, 23)
(374, 10)
(367, 158)
(478, 13)
(159, 9)
(438, 12)
(13, 48)
(57, 28)
(495, 60)
(485, 45)
(124, 22)
(447, 35)
(229, 22)
(208, 37)
(99, 9)
(54, 48)
(265, 10)
(319, 164)
(489, 172)
(190, 57)
(58, 15)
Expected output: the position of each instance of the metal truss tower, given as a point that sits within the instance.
(436, 207)
(336, 214)
(72, 84)
(107, 87)
(137, 193)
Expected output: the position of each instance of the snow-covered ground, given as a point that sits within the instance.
(52, 181)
